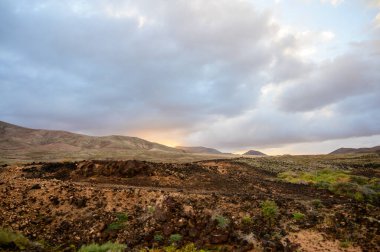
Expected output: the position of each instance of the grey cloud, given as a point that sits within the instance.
(346, 76)
(195, 60)
(194, 66)
(263, 128)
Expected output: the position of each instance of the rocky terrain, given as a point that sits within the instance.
(219, 205)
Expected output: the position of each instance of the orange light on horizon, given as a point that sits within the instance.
(164, 137)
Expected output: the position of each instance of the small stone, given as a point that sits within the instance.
(35, 187)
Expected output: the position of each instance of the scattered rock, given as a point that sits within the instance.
(35, 186)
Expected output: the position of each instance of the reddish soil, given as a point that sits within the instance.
(74, 203)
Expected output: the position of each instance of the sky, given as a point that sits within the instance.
(280, 76)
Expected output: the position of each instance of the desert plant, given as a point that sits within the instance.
(317, 203)
(246, 220)
(222, 221)
(190, 248)
(187, 248)
(269, 210)
(345, 244)
(174, 238)
(7, 238)
(339, 182)
(151, 209)
(121, 219)
(106, 247)
(298, 216)
(158, 238)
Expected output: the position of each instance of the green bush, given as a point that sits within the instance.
(246, 220)
(174, 238)
(188, 248)
(320, 177)
(121, 219)
(345, 244)
(317, 203)
(269, 210)
(9, 238)
(158, 238)
(222, 221)
(298, 216)
(339, 182)
(151, 209)
(106, 247)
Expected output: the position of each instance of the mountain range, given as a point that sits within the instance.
(375, 149)
(24, 144)
(199, 149)
(254, 153)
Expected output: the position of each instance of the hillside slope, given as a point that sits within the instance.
(254, 153)
(19, 143)
(199, 149)
(375, 149)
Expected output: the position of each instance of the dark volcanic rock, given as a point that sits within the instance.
(35, 186)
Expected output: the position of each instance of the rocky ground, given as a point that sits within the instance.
(214, 204)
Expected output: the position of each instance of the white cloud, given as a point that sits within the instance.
(333, 2)
(218, 73)
(377, 21)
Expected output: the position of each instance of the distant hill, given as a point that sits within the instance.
(254, 153)
(375, 149)
(199, 149)
(34, 144)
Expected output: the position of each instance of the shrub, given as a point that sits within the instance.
(246, 220)
(170, 248)
(298, 216)
(106, 247)
(269, 210)
(115, 226)
(222, 221)
(121, 219)
(321, 177)
(151, 209)
(317, 203)
(9, 238)
(187, 248)
(174, 238)
(345, 244)
(158, 238)
(339, 182)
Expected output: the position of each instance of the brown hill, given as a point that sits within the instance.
(254, 153)
(375, 149)
(199, 149)
(19, 143)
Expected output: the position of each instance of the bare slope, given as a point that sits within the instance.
(199, 149)
(375, 149)
(254, 153)
(34, 144)
(19, 138)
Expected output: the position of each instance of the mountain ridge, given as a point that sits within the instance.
(254, 153)
(199, 149)
(24, 137)
(21, 144)
(344, 150)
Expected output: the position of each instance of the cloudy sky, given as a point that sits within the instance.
(294, 76)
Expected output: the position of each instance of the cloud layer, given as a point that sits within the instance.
(217, 73)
